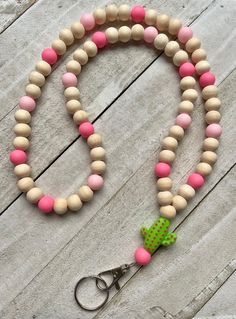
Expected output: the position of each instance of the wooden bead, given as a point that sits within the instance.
(188, 82)
(168, 211)
(170, 143)
(99, 16)
(22, 170)
(202, 67)
(204, 169)
(80, 116)
(171, 48)
(74, 202)
(192, 44)
(198, 55)
(210, 144)
(43, 67)
(80, 56)
(124, 12)
(213, 117)
(37, 78)
(90, 48)
(177, 132)
(78, 30)
(97, 153)
(150, 17)
(185, 107)
(72, 93)
(60, 206)
(98, 167)
(112, 35)
(212, 104)
(33, 90)
(85, 193)
(73, 106)
(137, 32)
(66, 35)
(179, 202)
(209, 157)
(111, 12)
(73, 67)
(174, 26)
(22, 129)
(162, 22)
(180, 57)
(190, 95)
(22, 116)
(164, 198)
(164, 184)
(94, 140)
(186, 191)
(160, 41)
(34, 195)
(166, 156)
(25, 184)
(59, 46)
(124, 34)
(21, 143)
(209, 92)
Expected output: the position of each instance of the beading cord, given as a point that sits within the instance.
(160, 30)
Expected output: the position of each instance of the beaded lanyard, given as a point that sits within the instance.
(161, 31)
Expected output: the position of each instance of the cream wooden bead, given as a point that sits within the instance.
(150, 17)
(212, 104)
(99, 16)
(171, 48)
(185, 107)
(111, 12)
(164, 184)
(59, 46)
(209, 92)
(112, 35)
(164, 198)
(72, 93)
(85, 193)
(170, 143)
(202, 67)
(66, 35)
(60, 206)
(179, 202)
(177, 132)
(78, 30)
(160, 41)
(198, 55)
(74, 202)
(190, 95)
(22, 170)
(94, 140)
(124, 12)
(187, 82)
(210, 144)
(209, 157)
(80, 116)
(80, 56)
(168, 211)
(37, 78)
(186, 191)
(73, 67)
(124, 34)
(33, 90)
(25, 184)
(166, 156)
(98, 167)
(22, 129)
(22, 116)
(97, 153)
(34, 195)
(192, 44)
(73, 106)
(180, 57)
(43, 67)
(21, 142)
(137, 32)
(204, 168)
(174, 26)
(162, 22)
(90, 48)
(213, 117)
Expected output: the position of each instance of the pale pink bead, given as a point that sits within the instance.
(95, 182)
(45, 204)
(69, 79)
(18, 157)
(142, 256)
(27, 103)
(185, 33)
(186, 69)
(162, 169)
(213, 130)
(138, 14)
(196, 180)
(49, 55)
(100, 39)
(88, 21)
(206, 79)
(149, 34)
(86, 129)
(183, 120)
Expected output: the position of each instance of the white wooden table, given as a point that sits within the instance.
(132, 105)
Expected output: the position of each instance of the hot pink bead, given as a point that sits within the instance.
(138, 14)
(69, 79)
(86, 129)
(49, 55)
(142, 256)
(45, 204)
(206, 79)
(100, 39)
(18, 157)
(27, 103)
(95, 182)
(196, 180)
(184, 34)
(213, 130)
(149, 34)
(162, 169)
(183, 120)
(88, 21)
(186, 69)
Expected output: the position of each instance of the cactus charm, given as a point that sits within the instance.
(158, 235)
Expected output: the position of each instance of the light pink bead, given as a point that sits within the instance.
(100, 39)
(183, 120)
(206, 79)
(86, 129)
(149, 34)
(69, 79)
(186, 69)
(213, 130)
(27, 103)
(185, 33)
(138, 14)
(18, 157)
(49, 55)
(88, 21)
(142, 256)
(45, 204)
(162, 169)
(196, 180)
(95, 182)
